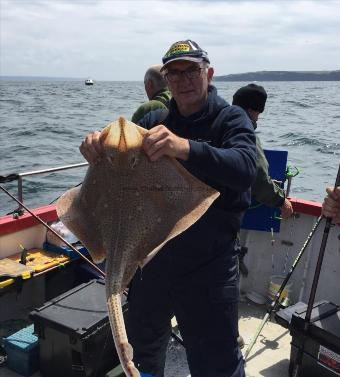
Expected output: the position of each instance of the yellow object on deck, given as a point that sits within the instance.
(37, 260)
(41, 260)
(11, 269)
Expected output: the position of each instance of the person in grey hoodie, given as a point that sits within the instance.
(252, 98)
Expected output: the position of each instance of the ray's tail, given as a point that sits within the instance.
(123, 347)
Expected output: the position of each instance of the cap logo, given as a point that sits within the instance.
(180, 48)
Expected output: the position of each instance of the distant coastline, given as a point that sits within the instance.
(248, 76)
(282, 76)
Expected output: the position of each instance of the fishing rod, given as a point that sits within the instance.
(102, 273)
(274, 304)
(299, 356)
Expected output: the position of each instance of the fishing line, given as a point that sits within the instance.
(289, 244)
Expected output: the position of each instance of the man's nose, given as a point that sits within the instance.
(184, 79)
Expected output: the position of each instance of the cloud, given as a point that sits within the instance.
(118, 40)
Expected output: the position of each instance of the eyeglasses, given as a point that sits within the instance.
(190, 73)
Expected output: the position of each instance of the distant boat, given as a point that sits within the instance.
(88, 82)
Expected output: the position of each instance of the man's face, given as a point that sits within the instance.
(188, 83)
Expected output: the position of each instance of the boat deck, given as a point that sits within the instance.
(269, 357)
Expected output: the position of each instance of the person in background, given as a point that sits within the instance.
(195, 276)
(252, 98)
(331, 204)
(156, 89)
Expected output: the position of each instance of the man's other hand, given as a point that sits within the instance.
(286, 209)
(91, 147)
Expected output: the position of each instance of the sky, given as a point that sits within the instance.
(119, 40)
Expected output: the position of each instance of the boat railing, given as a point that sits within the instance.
(21, 176)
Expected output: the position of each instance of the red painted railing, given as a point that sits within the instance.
(8, 224)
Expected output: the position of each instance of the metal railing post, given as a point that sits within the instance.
(20, 209)
(20, 194)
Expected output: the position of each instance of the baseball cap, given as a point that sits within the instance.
(185, 50)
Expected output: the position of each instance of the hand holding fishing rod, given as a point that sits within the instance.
(298, 360)
(331, 204)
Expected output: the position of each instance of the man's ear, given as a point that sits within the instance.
(150, 84)
(210, 74)
(149, 88)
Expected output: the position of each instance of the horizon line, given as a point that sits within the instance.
(228, 74)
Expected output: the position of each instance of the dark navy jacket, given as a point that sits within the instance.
(224, 157)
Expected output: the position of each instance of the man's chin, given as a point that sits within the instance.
(188, 99)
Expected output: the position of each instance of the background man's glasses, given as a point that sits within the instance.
(190, 73)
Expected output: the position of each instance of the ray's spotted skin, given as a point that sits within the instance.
(123, 347)
(126, 210)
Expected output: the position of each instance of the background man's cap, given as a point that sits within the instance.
(251, 96)
(185, 50)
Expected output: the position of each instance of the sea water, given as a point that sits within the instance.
(42, 124)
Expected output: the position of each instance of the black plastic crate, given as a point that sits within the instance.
(284, 316)
(74, 333)
(60, 280)
(321, 356)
